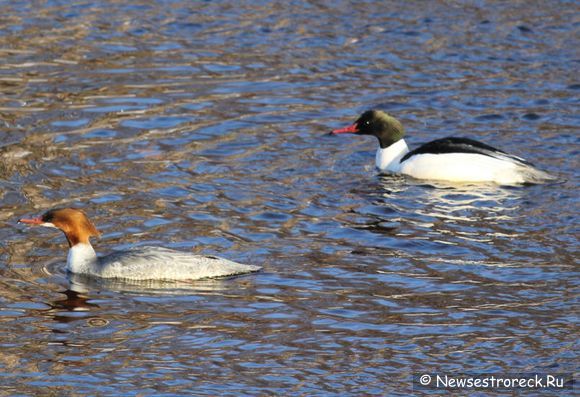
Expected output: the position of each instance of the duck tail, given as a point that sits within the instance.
(535, 176)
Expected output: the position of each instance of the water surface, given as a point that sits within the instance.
(201, 126)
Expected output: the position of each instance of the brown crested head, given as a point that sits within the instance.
(73, 222)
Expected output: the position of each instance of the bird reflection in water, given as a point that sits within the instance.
(73, 302)
(403, 206)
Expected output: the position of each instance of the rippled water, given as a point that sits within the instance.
(200, 126)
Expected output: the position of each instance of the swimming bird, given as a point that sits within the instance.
(451, 159)
(139, 263)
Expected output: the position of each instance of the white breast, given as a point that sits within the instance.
(81, 259)
(388, 159)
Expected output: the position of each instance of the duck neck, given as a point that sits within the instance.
(388, 158)
(82, 259)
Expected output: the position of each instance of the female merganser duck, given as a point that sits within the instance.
(449, 159)
(140, 263)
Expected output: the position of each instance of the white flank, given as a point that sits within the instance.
(464, 167)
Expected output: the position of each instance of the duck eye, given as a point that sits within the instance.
(367, 122)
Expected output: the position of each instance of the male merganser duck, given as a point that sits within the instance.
(139, 263)
(449, 159)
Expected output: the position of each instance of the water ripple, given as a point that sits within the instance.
(201, 126)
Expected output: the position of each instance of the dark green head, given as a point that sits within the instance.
(386, 128)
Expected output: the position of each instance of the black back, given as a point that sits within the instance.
(462, 145)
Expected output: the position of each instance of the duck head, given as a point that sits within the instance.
(385, 127)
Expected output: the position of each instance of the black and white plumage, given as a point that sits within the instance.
(451, 159)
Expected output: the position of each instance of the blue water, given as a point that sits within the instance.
(201, 126)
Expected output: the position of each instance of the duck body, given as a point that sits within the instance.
(139, 263)
(452, 159)
(152, 263)
(458, 159)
